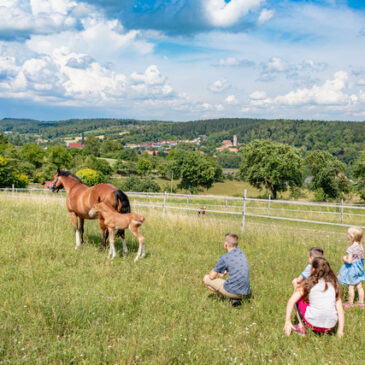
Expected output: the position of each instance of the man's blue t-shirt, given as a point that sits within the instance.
(235, 263)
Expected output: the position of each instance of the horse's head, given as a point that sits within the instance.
(94, 211)
(57, 182)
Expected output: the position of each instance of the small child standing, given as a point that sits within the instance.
(352, 271)
(313, 253)
(235, 264)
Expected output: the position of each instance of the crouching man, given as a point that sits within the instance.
(233, 263)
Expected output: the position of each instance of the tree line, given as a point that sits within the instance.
(277, 167)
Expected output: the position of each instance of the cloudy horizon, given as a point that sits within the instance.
(182, 59)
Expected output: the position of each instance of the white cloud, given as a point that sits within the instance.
(265, 16)
(331, 93)
(50, 78)
(231, 99)
(219, 85)
(224, 14)
(99, 38)
(278, 66)
(258, 95)
(233, 61)
(21, 18)
(151, 82)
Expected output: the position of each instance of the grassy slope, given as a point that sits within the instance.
(59, 305)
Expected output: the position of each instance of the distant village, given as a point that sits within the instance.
(164, 146)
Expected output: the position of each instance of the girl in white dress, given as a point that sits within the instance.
(318, 302)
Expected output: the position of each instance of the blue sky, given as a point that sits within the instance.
(182, 59)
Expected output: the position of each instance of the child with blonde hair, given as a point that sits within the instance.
(352, 271)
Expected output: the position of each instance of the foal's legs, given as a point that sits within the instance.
(105, 233)
(76, 229)
(121, 233)
(111, 243)
(141, 250)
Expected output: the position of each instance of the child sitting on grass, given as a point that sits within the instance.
(318, 302)
(352, 271)
(313, 253)
(235, 264)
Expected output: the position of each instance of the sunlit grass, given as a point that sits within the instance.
(58, 305)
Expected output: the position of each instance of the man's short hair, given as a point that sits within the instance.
(231, 239)
(316, 252)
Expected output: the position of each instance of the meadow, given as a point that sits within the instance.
(61, 306)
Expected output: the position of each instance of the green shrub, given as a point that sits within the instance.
(135, 183)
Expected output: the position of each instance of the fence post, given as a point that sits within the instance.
(12, 189)
(147, 200)
(187, 201)
(341, 211)
(268, 206)
(164, 205)
(226, 204)
(244, 211)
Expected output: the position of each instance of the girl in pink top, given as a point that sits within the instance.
(318, 302)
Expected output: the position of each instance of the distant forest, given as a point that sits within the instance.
(342, 139)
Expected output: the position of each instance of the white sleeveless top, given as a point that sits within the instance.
(321, 311)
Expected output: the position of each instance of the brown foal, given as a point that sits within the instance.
(116, 221)
(81, 198)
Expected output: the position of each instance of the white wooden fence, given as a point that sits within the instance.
(334, 214)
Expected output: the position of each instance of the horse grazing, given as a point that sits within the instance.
(81, 198)
(116, 221)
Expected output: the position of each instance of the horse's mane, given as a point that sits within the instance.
(68, 173)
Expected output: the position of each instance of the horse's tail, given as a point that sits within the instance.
(121, 198)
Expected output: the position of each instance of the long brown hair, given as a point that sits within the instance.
(321, 270)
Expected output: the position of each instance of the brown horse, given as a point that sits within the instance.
(81, 198)
(116, 221)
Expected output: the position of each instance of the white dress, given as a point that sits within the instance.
(321, 311)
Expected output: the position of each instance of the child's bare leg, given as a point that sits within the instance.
(360, 290)
(351, 294)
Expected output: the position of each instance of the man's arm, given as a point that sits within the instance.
(213, 275)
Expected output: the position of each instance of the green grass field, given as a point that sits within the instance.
(61, 306)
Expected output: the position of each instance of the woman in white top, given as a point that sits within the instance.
(318, 302)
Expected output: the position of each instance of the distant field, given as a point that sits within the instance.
(61, 306)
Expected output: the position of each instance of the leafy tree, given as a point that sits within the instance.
(109, 146)
(3, 139)
(229, 160)
(9, 176)
(5, 173)
(197, 171)
(92, 146)
(125, 168)
(162, 169)
(175, 159)
(145, 184)
(274, 166)
(144, 166)
(327, 174)
(359, 173)
(4, 143)
(128, 155)
(89, 177)
(32, 153)
(59, 156)
(99, 165)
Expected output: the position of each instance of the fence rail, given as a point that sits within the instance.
(334, 214)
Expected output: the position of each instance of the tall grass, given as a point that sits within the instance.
(58, 305)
